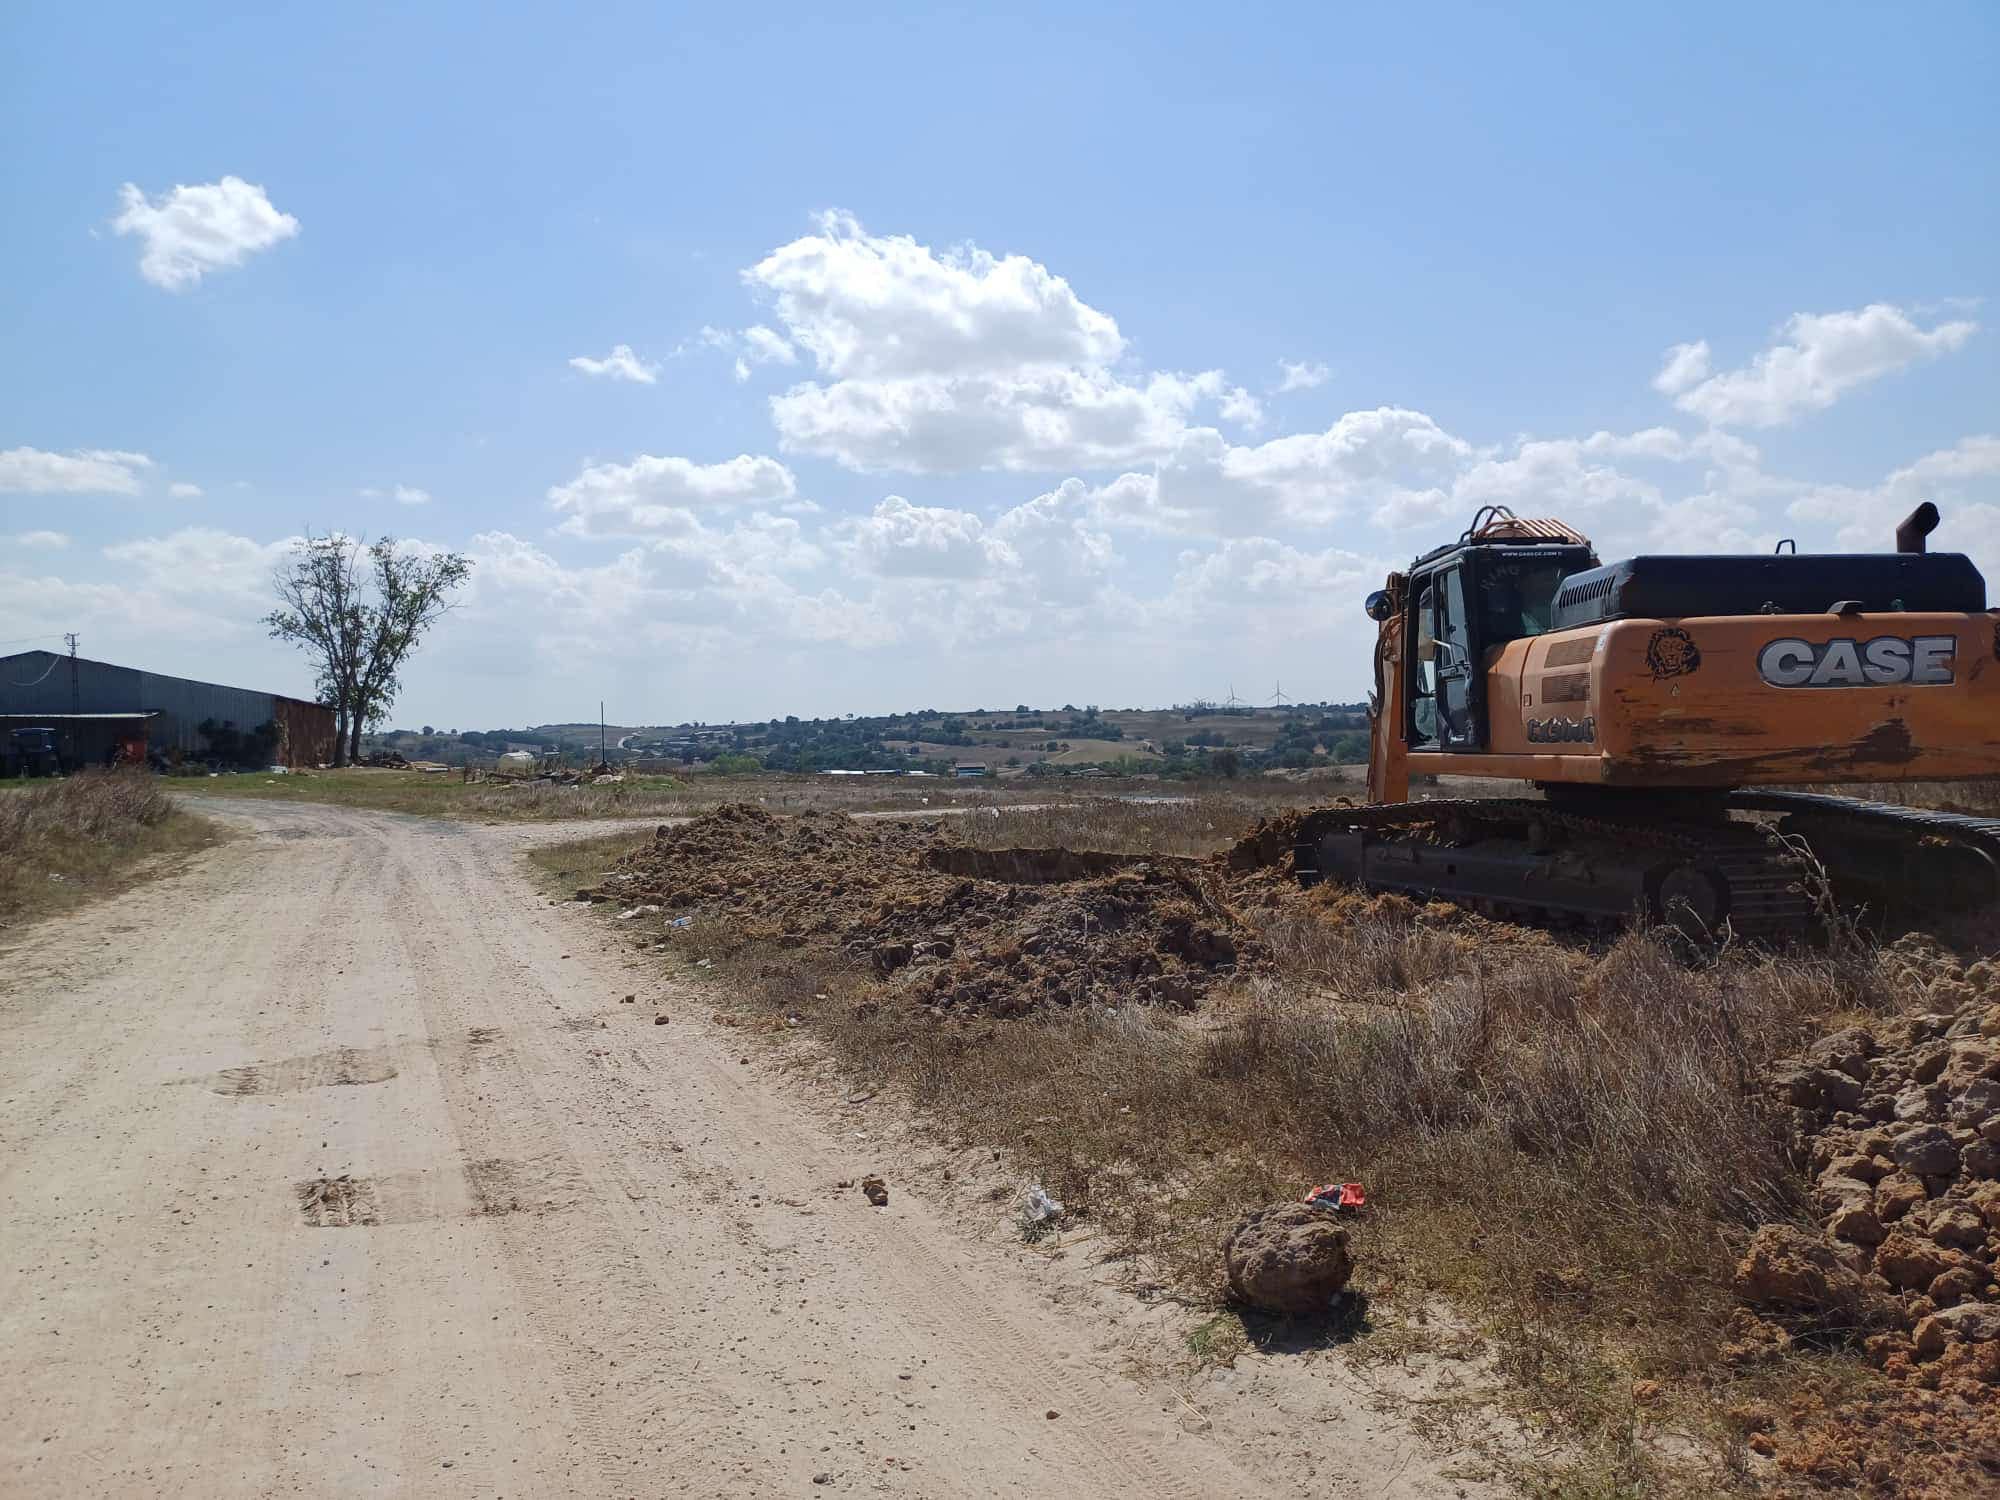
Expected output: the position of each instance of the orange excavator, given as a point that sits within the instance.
(1671, 713)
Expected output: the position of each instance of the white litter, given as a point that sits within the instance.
(1037, 1207)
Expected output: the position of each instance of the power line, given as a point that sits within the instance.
(54, 661)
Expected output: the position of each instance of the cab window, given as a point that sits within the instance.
(1424, 677)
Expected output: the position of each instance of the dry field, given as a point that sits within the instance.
(63, 842)
(445, 795)
(1567, 1147)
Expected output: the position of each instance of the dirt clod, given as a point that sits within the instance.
(1288, 1258)
(875, 1190)
(1907, 1193)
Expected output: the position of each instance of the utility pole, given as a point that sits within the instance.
(601, 759)
(75, 696)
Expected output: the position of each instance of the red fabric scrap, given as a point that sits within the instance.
(1338, 1196)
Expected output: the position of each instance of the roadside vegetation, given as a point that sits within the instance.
(1567, 1147)
(445, 794)
(1205, 821)
(64, 842)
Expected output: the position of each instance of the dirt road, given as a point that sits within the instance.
(335, 1165)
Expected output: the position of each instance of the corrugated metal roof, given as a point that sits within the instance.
(38, 683)
(44, 659)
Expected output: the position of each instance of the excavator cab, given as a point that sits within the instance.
(1466, 601)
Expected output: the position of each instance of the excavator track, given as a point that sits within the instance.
(1756, 873)
(1884, 855)
(1527, 859)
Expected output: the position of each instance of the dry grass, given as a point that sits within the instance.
(1205, 821)
(562, 868)
(444, 795)
(1566, 1145)
(63, 842)
(1977, 798)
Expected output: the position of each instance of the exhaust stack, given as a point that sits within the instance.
(1917, 525)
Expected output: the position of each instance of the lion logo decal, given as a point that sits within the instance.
(1672, 653)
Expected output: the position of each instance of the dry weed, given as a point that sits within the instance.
(1569, 1144)
(1163, 823)
(62, 840)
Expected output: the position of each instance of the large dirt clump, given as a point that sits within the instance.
(1288, 1258)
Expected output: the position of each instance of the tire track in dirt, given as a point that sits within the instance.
(546, 1260)
(444, 1218)
(1093, 1437)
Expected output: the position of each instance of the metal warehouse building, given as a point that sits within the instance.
(92, 704)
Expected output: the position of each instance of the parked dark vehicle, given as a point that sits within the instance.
(31, 752)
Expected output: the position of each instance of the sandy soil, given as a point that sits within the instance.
(336, 1165)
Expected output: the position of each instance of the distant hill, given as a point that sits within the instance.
(1185, 739)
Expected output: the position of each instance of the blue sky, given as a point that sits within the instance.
(1024, 285)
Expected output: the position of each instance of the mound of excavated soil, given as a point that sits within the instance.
(1898, 1123)
(995, 931)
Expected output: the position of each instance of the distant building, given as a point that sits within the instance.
(91, 705)
(969, 768)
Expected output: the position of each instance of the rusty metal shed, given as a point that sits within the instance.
(48, 683)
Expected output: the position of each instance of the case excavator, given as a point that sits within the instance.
(1676, 717)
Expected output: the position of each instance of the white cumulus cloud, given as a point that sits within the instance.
(1210, 487)
(200, 564)
(1249, 568)
(901, 540)
(1818, 359)
(88, 471)
(1058, 553)
(1031, 420)
(946, 361)
(1963, 480)
(653, 495)
(1685, 365)
(755, 345)
(43, 541)
(191, 231)
(620, 364)
(1301, 375)
(182, 490)
(766, 346)
(880, 306)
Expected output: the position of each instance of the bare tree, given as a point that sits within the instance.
(358, 610)
(319, 611)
